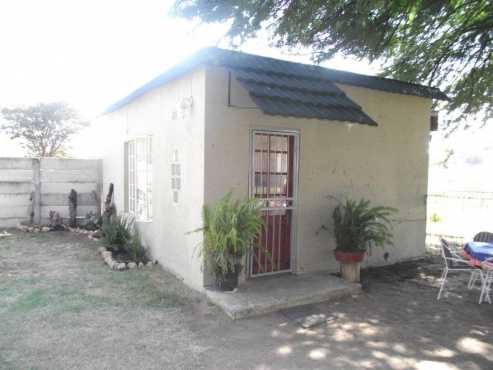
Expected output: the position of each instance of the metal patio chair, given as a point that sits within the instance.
(484, 236)
(487, 266)
(452, 262)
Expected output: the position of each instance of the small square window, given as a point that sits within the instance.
(175, 169)
(175, 176)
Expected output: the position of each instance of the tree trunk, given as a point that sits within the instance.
(109, 207)
(72, 208)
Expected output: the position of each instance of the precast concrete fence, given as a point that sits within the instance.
(32, 187)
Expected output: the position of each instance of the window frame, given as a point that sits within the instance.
(176, 176)
(133, 175)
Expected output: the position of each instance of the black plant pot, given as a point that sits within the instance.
(227, 282)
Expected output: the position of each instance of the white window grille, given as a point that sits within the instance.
(139, 178)
(175, 176)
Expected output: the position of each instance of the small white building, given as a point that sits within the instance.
(288, 133)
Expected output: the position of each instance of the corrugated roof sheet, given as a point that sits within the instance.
(289, 89)
(243, 60)
(274, 95)
(292, 82)
(287, 108)
(303, 96)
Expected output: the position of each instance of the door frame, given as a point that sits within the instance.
(294, 215)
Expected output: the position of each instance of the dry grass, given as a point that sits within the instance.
(62, 308)
(57, 298)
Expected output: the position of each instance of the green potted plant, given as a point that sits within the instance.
(230, 229)
(357, 226)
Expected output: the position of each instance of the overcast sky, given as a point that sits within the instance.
(93, 52)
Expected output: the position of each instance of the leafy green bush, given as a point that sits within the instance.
(134, 248)
(435, 218)
(230, 229)
(116, 234)
(92, 221)
(358, 225)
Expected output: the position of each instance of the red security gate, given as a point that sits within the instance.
(273, 170)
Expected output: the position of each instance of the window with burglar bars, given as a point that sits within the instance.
(139, 178)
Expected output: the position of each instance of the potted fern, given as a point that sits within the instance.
(230, 229)
(357, 226)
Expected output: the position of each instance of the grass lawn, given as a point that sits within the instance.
(62, 308)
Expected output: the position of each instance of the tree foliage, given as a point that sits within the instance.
(444, 43)
(44, 129)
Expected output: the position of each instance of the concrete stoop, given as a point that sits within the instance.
(273, 293)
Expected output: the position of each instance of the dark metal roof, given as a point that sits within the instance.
(289, 89)
(273, 96)
(312, 72)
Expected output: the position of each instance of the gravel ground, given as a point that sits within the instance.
(62, 308)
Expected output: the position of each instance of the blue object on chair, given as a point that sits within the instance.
(479, 250)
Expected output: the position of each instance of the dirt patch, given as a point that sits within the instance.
(421, 271)
(62, 308)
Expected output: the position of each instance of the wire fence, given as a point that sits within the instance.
(459, 215)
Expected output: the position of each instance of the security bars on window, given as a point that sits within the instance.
(139, 162)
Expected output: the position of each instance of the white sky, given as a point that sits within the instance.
(91, 53)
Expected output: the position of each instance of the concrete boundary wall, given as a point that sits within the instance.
(30, 188)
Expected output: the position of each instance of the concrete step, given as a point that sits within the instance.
(273, 293)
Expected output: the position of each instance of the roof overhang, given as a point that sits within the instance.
(289, 89)
(277, 94)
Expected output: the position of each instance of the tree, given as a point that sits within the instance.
(44, 129)
(444, 43)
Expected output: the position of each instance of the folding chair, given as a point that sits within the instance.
(452, 262)
(487, 266)
(484, 236)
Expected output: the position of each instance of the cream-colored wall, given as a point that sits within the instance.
(167, 235)
(386, 164)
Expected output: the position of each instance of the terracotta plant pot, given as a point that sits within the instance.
(349, 257)
(350, 264)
